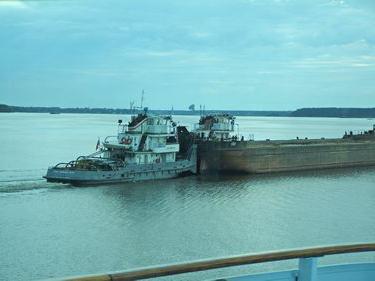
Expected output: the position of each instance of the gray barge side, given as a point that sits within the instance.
(280, 156)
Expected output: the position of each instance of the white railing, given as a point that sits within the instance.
(157, 129)
(167, 148)
(221, 127)
(111, 139)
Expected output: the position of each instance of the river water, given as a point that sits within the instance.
(52, 230)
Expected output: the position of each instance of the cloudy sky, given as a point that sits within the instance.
(226, 54)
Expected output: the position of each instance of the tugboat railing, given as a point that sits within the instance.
(307, 263)
(106, 140)
(116, 163)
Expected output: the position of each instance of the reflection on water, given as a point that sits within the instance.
(49, 230)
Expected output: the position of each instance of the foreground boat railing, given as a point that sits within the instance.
(307, 270)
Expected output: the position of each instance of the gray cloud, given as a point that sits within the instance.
(246, 54)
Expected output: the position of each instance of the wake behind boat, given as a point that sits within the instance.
(148, 147)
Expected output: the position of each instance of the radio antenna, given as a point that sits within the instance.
(142, 98)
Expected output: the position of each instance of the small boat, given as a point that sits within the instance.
(148, 147)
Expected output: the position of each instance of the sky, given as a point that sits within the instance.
(224, 54)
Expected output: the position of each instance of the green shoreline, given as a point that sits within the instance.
(303, 112)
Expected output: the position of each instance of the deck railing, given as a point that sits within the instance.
(307, 263)
(108, 139)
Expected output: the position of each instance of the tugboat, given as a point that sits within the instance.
(148, 147)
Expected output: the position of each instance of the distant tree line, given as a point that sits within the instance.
(7, 108)
(303, 112)
(335, 112)
(56, 110)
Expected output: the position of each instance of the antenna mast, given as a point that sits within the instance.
(132, 107)
(142, 98)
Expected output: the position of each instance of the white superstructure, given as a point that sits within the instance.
(215, 127)
(146, 139)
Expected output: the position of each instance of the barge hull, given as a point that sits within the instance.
(283, 156)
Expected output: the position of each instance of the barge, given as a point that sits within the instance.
(220, 150)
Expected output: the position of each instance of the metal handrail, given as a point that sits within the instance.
(72, 164)
(166, 270)
(109, 137)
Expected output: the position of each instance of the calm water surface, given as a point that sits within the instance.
(52, 230)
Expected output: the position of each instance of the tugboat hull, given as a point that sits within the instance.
(126, 174)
